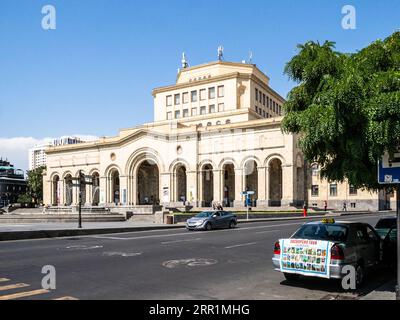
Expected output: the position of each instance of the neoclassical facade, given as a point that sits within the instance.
(216, 133)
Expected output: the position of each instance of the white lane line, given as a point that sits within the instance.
(266, 231)
(241, 245)
(178, 241)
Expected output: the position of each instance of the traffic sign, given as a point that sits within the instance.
(389, 169)
(247, 192)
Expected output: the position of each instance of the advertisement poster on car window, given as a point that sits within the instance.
(306, 257)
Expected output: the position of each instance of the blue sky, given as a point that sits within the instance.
(94, 74)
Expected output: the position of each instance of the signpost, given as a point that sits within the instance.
(389, 173)
(248, 202)
(82, 181)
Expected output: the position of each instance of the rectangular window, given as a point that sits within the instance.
(260, 97)
(315, 190)
(256, 94)
(211, 93)
(194, 111)
(212, 108)
(264, 113)
(270, 103)
(333, 190)
(203, 110)
(352, 190)
(185, 113)
(193, 95)
(185, 97)
(177, 114)
(263, 99)
(203, 94)
(221, 91)
(169, 101)
(256, 109)
(177, 99)
(221, 107)
(169, 115)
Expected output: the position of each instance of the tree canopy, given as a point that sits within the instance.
(35, 183)
(346, 107)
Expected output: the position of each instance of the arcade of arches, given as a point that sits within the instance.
(223, 184)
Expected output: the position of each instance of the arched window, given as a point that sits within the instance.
(209, 124)
(218, 123)
(228, 121)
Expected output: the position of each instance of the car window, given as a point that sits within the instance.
(371, 234)
(218, 214)
(386, 223)
(322, 231)
(362, 234)
(204, 214)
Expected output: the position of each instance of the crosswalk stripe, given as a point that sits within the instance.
(4, 279)
(13, 286)
(66, 298)
(24, 294)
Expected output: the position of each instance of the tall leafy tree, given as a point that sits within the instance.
(35, 183)
(346, 107)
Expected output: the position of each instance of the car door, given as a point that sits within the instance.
(365, 247)
(376, 244)
(226, 219)
(217, 219)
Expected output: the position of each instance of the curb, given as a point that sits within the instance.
(42, 234)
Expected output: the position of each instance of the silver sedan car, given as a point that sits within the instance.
(208, 220)
(353, 243)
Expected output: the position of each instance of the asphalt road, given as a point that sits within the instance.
(165, 264)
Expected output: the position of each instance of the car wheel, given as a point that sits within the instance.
(360, 276)
(291, 276)
(232, 224)
(208, 226)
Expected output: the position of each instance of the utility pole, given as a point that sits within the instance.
(82, 181)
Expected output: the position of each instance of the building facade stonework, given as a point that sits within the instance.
(216, 133)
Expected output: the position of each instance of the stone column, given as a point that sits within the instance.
(239, 200)
(287, 185)
(191, 187)
(267, 182)
(103, 190)
(217, 186)
(123, 190)
(261, 201)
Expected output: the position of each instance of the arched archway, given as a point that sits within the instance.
(115, 193)
(68, 189)
(55, 197)
(95, 189)
(180, 183)
(250, 172)
(228, 184)
(207, 178)
(275, 182)
(148, 183)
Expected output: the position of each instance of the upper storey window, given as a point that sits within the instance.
(177, 99)
(221, 91)
(203, 94)
(211, 93)
(169, 101)
(193, 96)
(185, 97)
(256, 94)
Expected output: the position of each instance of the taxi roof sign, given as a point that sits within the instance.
(328, 220)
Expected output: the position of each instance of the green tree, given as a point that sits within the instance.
(35, 184)
(24, 198)
(346, 107)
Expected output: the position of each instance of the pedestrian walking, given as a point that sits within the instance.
(344, 206)
(325, 205)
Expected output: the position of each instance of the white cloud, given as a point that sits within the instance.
(16, 149)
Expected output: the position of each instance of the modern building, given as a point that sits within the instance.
(216, 133)
(12, 183)
(37, 154)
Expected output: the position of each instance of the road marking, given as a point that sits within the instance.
(178, 241)
(122, 254)
(13, 286)
(4, 279)
(191, 262)
(66, 298)
(241, 245)
(266, 231)
(24, 294)
(83, 247)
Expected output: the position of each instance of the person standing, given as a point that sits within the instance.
(325, 205)
(344, 206)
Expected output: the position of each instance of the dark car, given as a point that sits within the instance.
(384, 225)
(208, 220)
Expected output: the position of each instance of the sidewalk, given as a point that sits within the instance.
(384, 292)
(22, 231)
